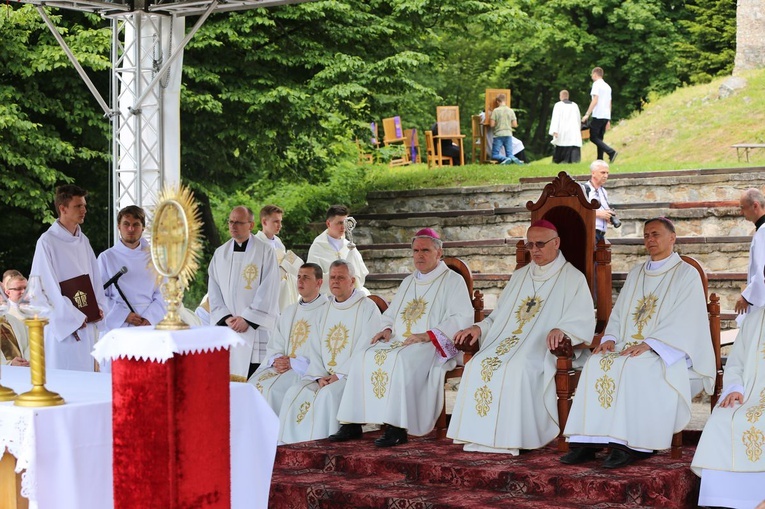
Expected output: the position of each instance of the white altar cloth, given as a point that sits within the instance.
(67, 450)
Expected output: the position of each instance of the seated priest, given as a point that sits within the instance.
(349, 319)
(399, 380)
(498, 404)
(289, 347)
(729, 457)
(635, 390)
(14, 341)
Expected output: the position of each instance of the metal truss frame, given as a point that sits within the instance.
(143, 58)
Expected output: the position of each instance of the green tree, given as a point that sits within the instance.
(708, 46)
(51, 130)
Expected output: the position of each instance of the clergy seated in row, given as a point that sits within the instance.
(289, 262)
(635, 391)
(498, 404)
(135, 299)
(309, 411)
(399, 380)
(332, 245)
(14, 341)
(243, 289)
(288, 351)
(729, 457)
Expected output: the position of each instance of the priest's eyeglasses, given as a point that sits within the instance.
(238, 223)
(539, 245)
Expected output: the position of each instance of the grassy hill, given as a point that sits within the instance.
(691, 128)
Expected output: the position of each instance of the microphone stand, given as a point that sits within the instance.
(119, 290)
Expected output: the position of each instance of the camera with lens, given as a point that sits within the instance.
(615, 221)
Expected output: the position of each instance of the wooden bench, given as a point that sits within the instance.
(746, 147)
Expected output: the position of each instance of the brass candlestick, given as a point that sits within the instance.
(7, 394)
(39, 396)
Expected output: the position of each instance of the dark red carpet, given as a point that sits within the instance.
(428, 473)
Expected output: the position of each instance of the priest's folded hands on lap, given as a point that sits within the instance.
(326, 380)
(416, 338)
(633, 351)
(282, 364)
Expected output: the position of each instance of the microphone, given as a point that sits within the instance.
(115, 277)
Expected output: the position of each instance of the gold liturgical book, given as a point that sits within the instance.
(79, 290)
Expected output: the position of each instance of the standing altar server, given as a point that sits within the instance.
(63, 253)
(399, 381)
(332, 245)
(139, 284)
(289, 262)
(243, 289)
(752, 204)
(507, 399)
(350, 319)
(288, 351)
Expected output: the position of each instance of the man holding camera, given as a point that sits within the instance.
(594, 190)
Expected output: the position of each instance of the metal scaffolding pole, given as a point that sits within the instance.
(148, 39)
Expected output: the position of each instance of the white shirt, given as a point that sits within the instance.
(602, 90)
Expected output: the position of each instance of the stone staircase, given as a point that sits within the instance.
(482, 225)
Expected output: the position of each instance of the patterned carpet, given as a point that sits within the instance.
(428, 473)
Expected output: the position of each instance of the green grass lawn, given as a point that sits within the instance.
(689, 129)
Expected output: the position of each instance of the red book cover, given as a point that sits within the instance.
(79, 290)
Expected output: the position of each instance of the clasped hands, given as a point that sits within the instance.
(326, 380)
(384, 336)
(282, 364)
(633, 351)
(237, 323)
(136, 319)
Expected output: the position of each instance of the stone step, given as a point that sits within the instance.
(430, 472)
(711, 219)
(730, 254)
(727, 285)
(670, 186)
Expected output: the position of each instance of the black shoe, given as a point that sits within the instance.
(613, 157)
(579, 455)
(619, 457)
(347, 432)
(393, 436)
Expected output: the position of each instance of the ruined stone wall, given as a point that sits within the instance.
(750, 35)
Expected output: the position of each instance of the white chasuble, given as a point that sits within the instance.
(730, 457)
(289, 265)
(245, 284)
(139, 285)
(507, 399)
(296, 332)
(323, 253)
(641, 401)
(401, 385)
(310, 412)
(60, 256)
